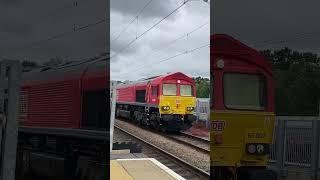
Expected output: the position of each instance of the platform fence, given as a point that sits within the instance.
(295, 152)
(203, 111)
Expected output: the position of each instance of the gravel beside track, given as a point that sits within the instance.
(179, 166)
(195, 157)
(192, 141)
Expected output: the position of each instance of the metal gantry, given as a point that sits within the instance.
(10, 78)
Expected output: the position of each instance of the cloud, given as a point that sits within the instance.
(142, 58)
(129, 9)
(26, 24)
(290, 23)
(15, 27)
(10, 2)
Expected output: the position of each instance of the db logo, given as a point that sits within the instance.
(218, 125)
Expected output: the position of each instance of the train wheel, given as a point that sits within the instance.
(153, 121)
(222, 173)
(158, 127)
(23, 168)
(252, 174)
(26, 168)
(138, 118)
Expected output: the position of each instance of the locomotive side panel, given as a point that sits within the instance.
(126, 94)
(55, 104)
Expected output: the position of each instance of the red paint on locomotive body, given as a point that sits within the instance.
(127, 93)
(239, 58)
(53, 98)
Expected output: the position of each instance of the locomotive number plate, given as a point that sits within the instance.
(218, 125)
(256, 135)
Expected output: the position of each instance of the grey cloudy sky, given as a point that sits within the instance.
(270, 24)
(142, 58)
(22, 23)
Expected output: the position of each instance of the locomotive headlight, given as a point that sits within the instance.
(190, 108)
(251, 148)
(165, 107)
(260, 148)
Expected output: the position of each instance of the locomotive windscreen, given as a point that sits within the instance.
(140, 96)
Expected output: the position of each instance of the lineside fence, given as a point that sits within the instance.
(295, 150)
(203, 111)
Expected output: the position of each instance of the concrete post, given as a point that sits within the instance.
(10, 134)
(280, 145)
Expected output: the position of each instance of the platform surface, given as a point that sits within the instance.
(141, 169)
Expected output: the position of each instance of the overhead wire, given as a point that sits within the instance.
(281, 41)
(176, 40)
(149, 29)
(133, 19)
(169, 58)
(59, 35)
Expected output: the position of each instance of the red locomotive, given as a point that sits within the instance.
(64, 115)
(164, 102)
(72, 96)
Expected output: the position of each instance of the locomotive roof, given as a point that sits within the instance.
(73, 69)
(224, 44)
(159, 79)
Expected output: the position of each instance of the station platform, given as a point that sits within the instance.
(136, 166)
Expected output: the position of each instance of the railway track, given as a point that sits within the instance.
(195, 142)
(178, 165)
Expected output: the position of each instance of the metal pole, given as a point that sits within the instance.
(280, 145)
(315, 149)
(315, 146)
(11, 127)
(112, 118)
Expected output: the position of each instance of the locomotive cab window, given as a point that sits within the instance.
(186, 90)
(245, 91)
(169, 89)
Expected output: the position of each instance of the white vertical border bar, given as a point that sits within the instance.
(113, 109)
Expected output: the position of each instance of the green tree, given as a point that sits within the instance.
(297, 81)
(202, 87)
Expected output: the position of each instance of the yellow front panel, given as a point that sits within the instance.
(178, 104)
(239, 129)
